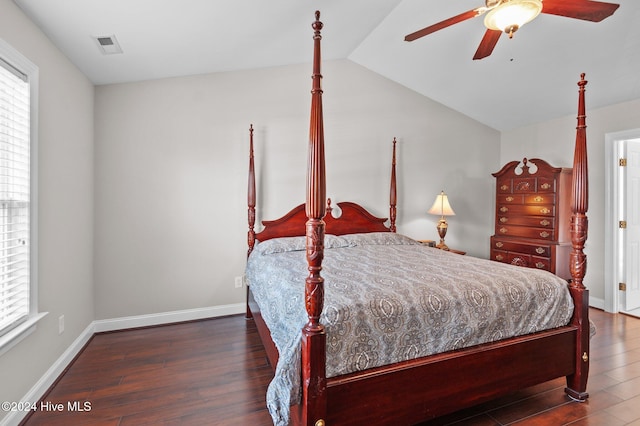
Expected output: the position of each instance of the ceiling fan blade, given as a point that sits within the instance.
(444, 24)
(487, 44)
(587, 10)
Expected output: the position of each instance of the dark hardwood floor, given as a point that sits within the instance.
(214, 372)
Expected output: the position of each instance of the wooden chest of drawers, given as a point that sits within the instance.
(533, 215)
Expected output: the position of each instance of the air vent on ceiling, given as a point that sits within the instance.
(108, 44)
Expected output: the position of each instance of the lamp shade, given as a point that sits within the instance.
(441, 206)
(511, 15)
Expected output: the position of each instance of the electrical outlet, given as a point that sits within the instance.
(61, 324)
(239, 281)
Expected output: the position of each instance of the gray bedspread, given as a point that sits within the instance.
(389, 298)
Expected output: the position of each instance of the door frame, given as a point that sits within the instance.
(614, 197)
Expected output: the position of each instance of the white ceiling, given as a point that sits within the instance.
(527, 79)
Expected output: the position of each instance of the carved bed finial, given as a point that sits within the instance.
(317, 25)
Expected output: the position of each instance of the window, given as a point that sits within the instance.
(18, 304)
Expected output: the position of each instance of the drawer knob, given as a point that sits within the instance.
(499, 244)
(499, 257)
(538, 199)
(504, 209)
(503, 230)
(509, 199)
(540, 250)
(504, 187)
(504, 219)
(544, 234)
(545, 222)
(545, 210)
(545, 186)
(539, 265)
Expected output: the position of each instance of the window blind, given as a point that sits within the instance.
(14, 197)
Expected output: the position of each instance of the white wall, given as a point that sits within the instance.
(554, 141)
(171, 173)
(65, 206)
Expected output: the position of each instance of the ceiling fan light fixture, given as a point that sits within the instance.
(512, 14)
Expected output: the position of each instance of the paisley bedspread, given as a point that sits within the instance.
(388, 299)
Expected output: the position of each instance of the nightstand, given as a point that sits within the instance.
(432, 243)
(457, 251)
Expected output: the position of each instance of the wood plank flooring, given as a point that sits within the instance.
(215, 372)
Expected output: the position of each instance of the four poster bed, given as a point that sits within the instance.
(392, 341)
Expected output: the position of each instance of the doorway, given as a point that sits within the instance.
(622, 222)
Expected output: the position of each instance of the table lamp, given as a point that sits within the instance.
(442, 208)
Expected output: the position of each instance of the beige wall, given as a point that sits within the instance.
(171, 173)
(65, 206)
(554, 140)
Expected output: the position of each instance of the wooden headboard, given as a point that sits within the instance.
(354, 219)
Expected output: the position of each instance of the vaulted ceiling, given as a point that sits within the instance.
(527, 79)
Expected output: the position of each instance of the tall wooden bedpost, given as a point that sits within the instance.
(314, 382)
(251, 203)
(577, 383)
(392, 194)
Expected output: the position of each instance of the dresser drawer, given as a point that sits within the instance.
(526, 210)
(510, 199)
(525, 232)
(546, 184)
(541, 263)
(499, 256)
(520, 259)
(524, 185)
(539, 222)
(503, 186)
(539, 250)
(541, 198)
(528, 184)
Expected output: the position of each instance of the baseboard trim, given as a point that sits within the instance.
(167, 317)
(595, 302)
(38, 390)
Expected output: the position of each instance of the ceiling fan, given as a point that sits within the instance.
(509, 15)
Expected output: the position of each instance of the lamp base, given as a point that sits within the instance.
(442, 246)
(442, 231)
